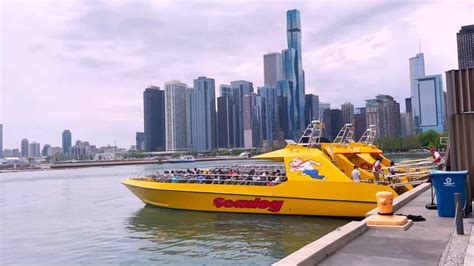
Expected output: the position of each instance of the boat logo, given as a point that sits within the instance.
(448, 182)
(272, 206)
(307, 167)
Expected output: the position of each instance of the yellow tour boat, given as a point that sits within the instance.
(307, 178)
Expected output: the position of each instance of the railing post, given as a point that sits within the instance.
(459, 214)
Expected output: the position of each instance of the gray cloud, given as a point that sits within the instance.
(83, 65)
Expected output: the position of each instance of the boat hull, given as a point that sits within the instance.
(260, 203)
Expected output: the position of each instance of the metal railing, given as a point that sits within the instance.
(221, 179)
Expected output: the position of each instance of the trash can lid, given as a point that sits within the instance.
(439, 172)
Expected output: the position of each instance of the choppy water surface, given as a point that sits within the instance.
(87, 216)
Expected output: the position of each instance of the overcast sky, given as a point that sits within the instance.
(83, 65)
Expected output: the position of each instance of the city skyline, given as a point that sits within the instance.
(100, 101)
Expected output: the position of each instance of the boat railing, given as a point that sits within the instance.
(221, 179)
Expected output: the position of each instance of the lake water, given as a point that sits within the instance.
(79, 216)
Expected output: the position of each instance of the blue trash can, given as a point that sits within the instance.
(446, 183)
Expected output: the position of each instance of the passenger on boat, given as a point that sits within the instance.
(392, 171)
(356, 174)
(377, 168)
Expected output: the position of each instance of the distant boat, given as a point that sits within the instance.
(183, 159)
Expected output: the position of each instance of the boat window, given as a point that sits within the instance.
(235, 175)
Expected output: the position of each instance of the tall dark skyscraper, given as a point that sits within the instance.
(203, 108)
(465, 38)
(140, 141)
(225, 121)
(240, 88)
(360, 122)
(293, 73)
(337, 122)
(311, 108)
(154, 118)
(270, 121)
(24, 148)
(66, 141)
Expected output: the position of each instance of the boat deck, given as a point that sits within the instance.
(256, 175)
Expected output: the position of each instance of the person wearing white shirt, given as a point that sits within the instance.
(355, 174)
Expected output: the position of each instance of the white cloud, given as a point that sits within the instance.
(83, 65)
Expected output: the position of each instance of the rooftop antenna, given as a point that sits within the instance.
(419, 45)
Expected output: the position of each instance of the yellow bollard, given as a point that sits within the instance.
(385, 217)
(384, 202)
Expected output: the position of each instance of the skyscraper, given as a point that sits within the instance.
(323, 107)
(175, 116)
(225, 121)
(240, 88)
(311, 108)
(294, 74)
(465, 38)
(429, 104)
(252, 118)
(140, 141)
(34, 149)
(270, 121)
(225, 90)
(24, 148)
(347, 113)
(337, 122)
(154, 119)
(203, 120)
(272, 68)
(360, 122)
(417, 70)
(384, 112)
(1, 141)
(66, 141)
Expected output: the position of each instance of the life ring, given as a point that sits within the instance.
(366, 166)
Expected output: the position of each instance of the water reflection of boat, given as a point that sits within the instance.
(229, 236)
(309, 178)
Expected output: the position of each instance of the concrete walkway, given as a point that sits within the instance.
(424, 243)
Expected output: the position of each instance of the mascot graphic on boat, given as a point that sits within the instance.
(307, 167)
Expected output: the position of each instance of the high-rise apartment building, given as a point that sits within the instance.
(34, 149)
(347, 113)
(465, 38)
(252, 118)
(270, 121)
(154, 119)
(311, 108)
(203, 122)
(175, 116)
(24, 148)
(66, 141)
(272, 68)
(240, 88)
(428, 106)
(384, 112)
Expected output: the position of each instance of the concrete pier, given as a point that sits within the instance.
(430, 242)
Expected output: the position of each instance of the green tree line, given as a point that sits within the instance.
(426, 139)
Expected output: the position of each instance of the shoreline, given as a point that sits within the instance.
(114, 163)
